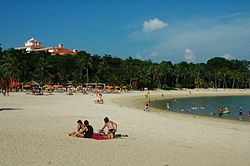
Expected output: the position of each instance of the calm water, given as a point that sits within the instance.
(207, 105)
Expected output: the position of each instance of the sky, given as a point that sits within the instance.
(170, 30)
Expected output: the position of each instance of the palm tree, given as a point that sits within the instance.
(84, 62)
(42, 73)
(8, 69)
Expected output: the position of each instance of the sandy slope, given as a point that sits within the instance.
(34, 134)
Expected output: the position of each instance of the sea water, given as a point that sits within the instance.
(207, 106)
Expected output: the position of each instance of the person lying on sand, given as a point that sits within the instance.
(83, 130)
(112, 128)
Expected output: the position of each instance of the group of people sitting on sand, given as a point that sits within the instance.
(85, 130)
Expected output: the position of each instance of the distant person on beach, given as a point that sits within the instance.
(147, 109)
(112, 128)
(220, 111)
(249, 116)
(168, 106)
(83, 130)
(148, 101)
(8, 92)
(241, 113)
(99, 101)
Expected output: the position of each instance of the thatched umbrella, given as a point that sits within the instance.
(31, 83)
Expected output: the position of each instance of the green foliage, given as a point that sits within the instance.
(83, 67)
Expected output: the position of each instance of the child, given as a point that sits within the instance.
(112, 128)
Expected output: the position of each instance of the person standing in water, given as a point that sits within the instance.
(241, 113)
(248, 116)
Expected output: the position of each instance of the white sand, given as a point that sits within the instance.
(35, 134)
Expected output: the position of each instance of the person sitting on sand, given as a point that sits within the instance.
(99, 101)
(147, 109)
(70, 93)
(83, 130)
(112, 128)
(80, 129)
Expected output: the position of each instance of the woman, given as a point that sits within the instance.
(83, 130)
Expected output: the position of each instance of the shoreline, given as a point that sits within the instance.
(138, 101)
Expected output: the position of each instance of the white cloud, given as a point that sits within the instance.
(208, 36)
(154, 53)
(153, 25)
(227, 56)
(189, 55)
(139, 56)
(209, 39)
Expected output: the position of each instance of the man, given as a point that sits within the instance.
(112, 128)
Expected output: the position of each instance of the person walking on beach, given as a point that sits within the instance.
(112, 128)
(241, 113)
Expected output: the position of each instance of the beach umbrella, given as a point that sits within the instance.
(55, 86)
(109, 87)
(98, 87)
(31, 83)
(117, 87)
(124, 87)
(69, 86)
(79, 87)
(46, 86)
(90, 86)
(60, 86)
(26, 86)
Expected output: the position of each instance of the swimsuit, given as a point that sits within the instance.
(112, 130)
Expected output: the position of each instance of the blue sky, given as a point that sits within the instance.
(175, 30)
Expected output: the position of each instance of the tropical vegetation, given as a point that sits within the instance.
(44, 68)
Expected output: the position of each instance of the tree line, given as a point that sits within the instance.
(82, 68)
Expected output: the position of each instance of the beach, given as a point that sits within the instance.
(34, 131)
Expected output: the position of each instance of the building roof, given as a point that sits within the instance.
(53, 50)
(65, 51)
